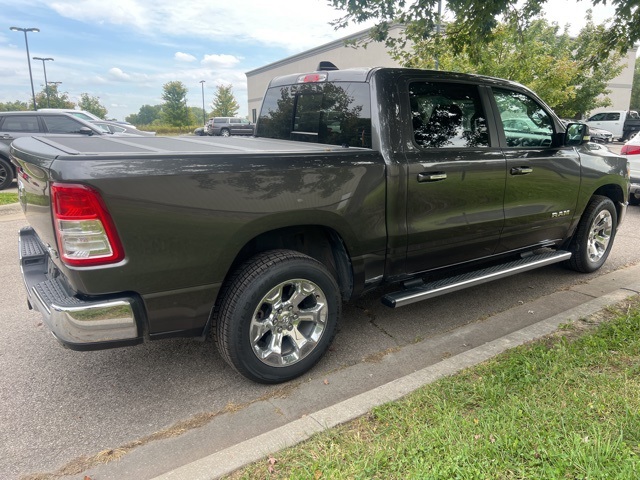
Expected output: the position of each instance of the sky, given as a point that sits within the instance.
(124, 51)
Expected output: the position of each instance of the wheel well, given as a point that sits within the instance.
(321, 243)
(614, 193)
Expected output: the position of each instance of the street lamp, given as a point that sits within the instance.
(25, 30)
(45, 76)
(204, 113)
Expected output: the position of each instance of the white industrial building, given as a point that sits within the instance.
(376, 55)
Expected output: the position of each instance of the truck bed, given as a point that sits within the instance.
(56, 146)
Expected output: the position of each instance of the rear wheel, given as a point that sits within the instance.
(6, 174)
(225, 132)
(594, 236)
(277, 316)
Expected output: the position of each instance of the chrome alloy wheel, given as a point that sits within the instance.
(599, 235)
(288, 322)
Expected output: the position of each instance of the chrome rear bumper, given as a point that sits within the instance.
(79, 323)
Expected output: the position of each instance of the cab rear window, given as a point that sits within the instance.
(330, 113)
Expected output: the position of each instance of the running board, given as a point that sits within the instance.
(425, 291)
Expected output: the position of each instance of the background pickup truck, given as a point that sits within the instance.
(357, 178)
(623, 124)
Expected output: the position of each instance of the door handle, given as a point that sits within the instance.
(431, 177)
(521, 170)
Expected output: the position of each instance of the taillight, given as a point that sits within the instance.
(630, 150)
(85, 231)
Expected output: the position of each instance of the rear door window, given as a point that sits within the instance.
(20, 123)
(446, 115)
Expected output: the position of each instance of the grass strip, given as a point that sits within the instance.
(8, 197)
(566, 406)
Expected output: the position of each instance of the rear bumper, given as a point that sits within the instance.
(78, 323)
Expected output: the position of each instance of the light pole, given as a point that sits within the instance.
(204, 113)
(46, 88)
(26, 42)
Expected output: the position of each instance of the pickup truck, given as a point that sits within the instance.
(356, 179)
(623, 124)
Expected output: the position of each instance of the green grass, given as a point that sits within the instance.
(7, 197)
(564, 407)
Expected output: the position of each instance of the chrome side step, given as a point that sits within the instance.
(425, 291)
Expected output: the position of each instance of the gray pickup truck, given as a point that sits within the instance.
(355, 179)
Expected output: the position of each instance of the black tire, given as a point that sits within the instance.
(225, 132)
(6, 174)
(276, 316)
(594, 236)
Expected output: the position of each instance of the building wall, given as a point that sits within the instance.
(376, 55)
(620, 86)
(342, 56)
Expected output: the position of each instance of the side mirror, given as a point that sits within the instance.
(577, 134)
(86, 131)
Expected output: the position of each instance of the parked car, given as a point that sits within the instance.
(83, 114)
(623, 124)
(118, 128)
(599, 135)
(632, 150)
(226, 126)
(29, 124)
(200, 131)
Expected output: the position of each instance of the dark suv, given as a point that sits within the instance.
(33, 124)
(226, 126)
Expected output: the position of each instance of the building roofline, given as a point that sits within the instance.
(314, 51)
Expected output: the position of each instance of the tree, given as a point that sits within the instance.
(635, 91)
(527, 55)
(92, 105)
(195, 115)
(174, 110)
(476, 20)
(146, 115)
(54, 99)
(224, 103)
(16, 106)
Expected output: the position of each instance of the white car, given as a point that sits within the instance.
(121, 129)
(632, 151)
(84, 115)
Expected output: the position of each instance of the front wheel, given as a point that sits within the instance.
(277, 316)
(6, 174)
(594, 236)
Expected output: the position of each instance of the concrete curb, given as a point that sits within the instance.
(10, 209)
(233, 458)
(10, 212)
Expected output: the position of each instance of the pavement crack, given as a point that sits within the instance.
(372, 320)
